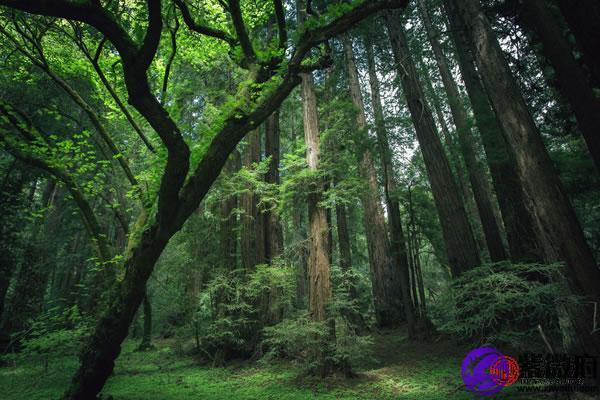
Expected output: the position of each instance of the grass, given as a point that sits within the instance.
(400, 370)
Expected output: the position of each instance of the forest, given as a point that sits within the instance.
(298, 199)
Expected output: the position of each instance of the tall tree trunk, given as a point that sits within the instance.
(450, 142)
(252, 244)
(551, 204)
(573, 83)
(146, 343)
(477, 178)
(460, 244)
(385, 275)
(319, 291)
(341, 217)
(583, 17)
(518, 220)
(300, 242)
(273, 229)
(228, 239)
(397, 238)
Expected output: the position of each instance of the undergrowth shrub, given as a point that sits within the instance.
(234, 307)
(502, 303)
(55, 333)
(303, 341)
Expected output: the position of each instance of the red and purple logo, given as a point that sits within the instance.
(486, 371)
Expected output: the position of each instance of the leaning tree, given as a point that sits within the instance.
(270, 76)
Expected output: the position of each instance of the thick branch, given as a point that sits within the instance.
(173, 33)
(280, 13)
(152, 38)
(90, 12)
(313, 37)
(236, 126)
(240, 30)
(199, 28)
(94, 61)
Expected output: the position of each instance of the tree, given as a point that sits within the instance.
(583, 17)
(273, 229)
(522, 236)
(477, 177)
(460, 244)
(179, 194)
(573, 82)
(385, 276)
(551, 204)
(252, 226)
(397, 237)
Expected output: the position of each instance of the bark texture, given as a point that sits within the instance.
(319, 285)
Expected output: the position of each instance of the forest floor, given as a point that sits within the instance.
(399, 369)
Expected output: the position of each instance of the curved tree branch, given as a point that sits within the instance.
(89, 218)
(240, 30)
(199, 28)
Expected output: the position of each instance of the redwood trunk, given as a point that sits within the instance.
(518, 220)
(573, 83)
(477, 178)
(385, 275)
(460, 244)
(319, 291)
(550, 202)
(252, 245)
(273, 230)
(398, 241)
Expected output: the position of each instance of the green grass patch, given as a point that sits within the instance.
(399, 370)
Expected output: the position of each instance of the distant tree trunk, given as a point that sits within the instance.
(26, 300)
(10, 199)
(398, 241)
(573, 83)
(146, 343)
(551, 204)
(300, 236)
(273, 229)
(583, 17)
(460, 244)
(341, 217)
(477, 178)
(384, 275)
(451, 145)
(228, 237)
(521, 232)
(252, 244)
